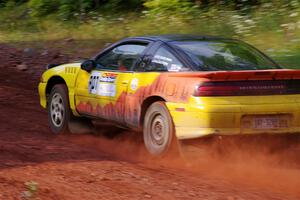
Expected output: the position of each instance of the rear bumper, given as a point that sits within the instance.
(194, 121)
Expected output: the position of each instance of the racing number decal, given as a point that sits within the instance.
(103, 84)
(93, 82)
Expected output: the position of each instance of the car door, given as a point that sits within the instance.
(102, 92)
(150, 78)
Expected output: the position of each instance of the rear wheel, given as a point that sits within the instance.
(158, 130)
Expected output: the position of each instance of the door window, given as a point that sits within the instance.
(121, 58)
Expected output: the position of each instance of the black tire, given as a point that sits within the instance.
(159, 131)
(59, 112)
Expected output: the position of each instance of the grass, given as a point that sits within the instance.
(277, 34)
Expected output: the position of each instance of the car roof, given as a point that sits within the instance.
(177, 37)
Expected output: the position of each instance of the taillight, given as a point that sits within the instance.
(248, 88)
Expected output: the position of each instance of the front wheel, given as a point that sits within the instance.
(158, 130)
(59, 112)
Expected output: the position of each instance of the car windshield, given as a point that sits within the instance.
(223, 55)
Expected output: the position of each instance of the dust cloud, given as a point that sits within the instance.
(268, 161)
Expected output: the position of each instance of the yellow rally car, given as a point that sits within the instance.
(175, 87)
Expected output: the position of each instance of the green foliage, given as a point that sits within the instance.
(121, 5)
(169, 6)
(10, 4)
(273, 26)
(70, 8)
(42, 7)
(65, 8)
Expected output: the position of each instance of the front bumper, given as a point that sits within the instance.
(42, 94)
(194, 121)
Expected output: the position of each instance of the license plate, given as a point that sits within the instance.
(270, 122)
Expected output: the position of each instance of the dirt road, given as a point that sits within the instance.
(35, 164)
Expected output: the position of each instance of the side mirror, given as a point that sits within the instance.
(88, 65)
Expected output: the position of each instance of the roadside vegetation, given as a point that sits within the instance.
(272, 26)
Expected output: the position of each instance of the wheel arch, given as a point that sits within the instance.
(54, 80)
(146, 104)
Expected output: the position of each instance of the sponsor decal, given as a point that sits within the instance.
(167, 62)
(103, 84)
(108, 77)
(134, 84)
(163, 58)
(175, 68)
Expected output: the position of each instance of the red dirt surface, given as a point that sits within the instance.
(100, 167)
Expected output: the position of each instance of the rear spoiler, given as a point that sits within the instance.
(278, 74)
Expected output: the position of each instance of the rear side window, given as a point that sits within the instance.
(164, 60)
(223, 55)
(122, 57)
